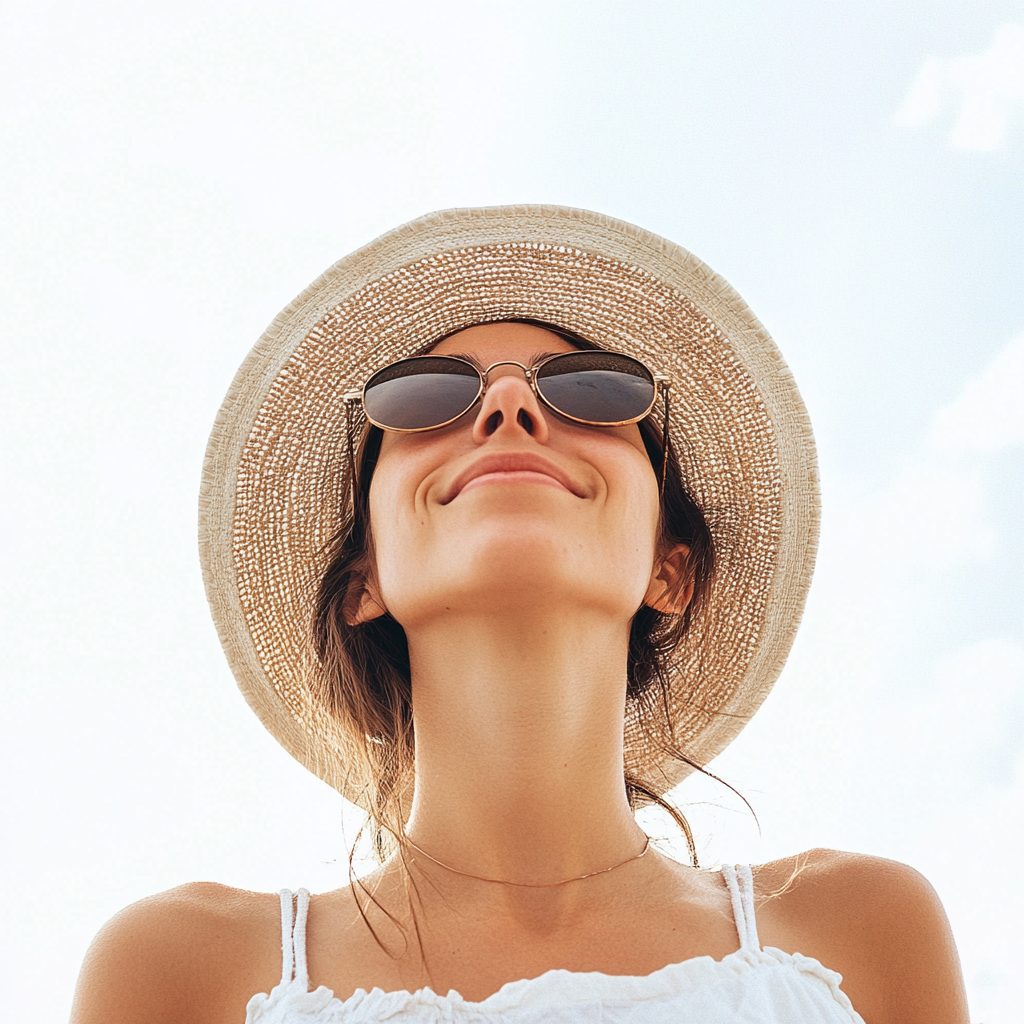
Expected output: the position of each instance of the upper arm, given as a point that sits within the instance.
(182, 956)
(881, 925)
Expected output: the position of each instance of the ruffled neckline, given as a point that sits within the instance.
(554, 988)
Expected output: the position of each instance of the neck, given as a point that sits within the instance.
(518, 724)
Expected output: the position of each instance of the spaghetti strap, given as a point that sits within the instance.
(301, 913)
(739, 880)
(287, 954)
(293, 937)
(746, 877)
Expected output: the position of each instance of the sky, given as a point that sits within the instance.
(174, 174)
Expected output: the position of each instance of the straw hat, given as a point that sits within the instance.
(272, 493)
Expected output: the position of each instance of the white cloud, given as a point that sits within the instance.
(987, 86)
(937, 507)
(935, 516)
(924, 101)
(972, 711)
(989, 414)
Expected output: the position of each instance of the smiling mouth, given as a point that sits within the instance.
(514, 476)
(511, 468)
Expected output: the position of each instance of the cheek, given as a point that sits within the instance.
(633, 543)
(390, 527)
(403, 546)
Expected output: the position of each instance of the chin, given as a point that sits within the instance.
(521, 566)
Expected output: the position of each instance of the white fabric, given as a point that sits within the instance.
(740, 883)
(750, 986)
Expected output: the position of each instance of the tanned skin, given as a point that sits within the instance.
(515, 587)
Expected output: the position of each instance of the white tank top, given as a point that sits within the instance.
(754, 985)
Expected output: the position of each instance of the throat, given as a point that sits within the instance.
(519, 759)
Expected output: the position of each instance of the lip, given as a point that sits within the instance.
(518, 467)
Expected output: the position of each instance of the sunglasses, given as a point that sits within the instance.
(593, 387)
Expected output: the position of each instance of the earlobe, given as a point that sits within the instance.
(363, 605)
(671, 587)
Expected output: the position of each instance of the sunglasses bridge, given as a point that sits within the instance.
(529, 372)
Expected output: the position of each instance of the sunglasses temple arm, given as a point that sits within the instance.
(351, 400)
(664, 438)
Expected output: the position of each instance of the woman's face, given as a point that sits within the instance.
(512, 509)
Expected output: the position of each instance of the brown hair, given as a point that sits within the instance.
(363, 673)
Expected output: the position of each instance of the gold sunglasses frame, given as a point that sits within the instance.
(659, 381)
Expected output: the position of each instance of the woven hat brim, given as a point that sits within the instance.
(271, 497)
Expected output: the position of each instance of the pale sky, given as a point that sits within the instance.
(174, 174)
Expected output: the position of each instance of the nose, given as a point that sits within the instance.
(509, 407)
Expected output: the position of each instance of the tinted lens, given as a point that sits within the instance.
(600, 387)
(422, 392)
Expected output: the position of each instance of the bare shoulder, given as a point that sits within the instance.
(877, 922)
(197, 952)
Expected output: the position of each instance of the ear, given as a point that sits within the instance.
(363, 603)
(671, 586)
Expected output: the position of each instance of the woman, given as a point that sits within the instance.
(480, 595)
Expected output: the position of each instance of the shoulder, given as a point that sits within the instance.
(855, 883)
(186, 954)
(877, 922)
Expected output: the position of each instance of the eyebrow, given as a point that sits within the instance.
(534, 359)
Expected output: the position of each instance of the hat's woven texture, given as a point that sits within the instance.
(272, 494)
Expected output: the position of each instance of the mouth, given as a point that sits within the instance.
(511, 468)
